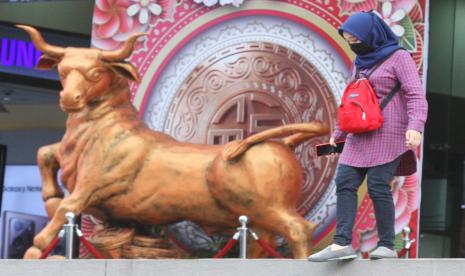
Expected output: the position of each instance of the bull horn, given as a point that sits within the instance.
(125, 51)
(41, 45)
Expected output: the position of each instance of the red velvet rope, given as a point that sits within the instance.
(269, 249)
(90, 247)
(225, 249)
(401, 253)
(49, 249)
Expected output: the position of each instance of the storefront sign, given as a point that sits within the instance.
(18, 53)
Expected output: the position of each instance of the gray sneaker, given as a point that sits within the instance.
(327, 254)
(383, 252)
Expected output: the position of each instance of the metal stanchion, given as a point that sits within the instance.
(243, 237)
(69, 235)
(68, 231)
(407, 240)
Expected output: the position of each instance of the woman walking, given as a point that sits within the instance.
(385, 152)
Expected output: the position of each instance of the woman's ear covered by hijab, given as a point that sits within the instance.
(375, 33)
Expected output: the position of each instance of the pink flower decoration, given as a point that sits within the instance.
(405, 195)
(351, 6)
(112, 25)
(168, 8)
(406, 5)
(211, 3)
(392, 18)
(145, 9)
(406, 200)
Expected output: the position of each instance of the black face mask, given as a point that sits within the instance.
(361, 48)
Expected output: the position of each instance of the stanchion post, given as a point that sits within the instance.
(243, 237)
(69, 232)
(407, 240)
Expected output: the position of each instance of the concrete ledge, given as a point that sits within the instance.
(226, 267)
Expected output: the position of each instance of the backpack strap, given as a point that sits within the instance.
(381, 62)
(373, 69)
(389, 96)
(394, 90)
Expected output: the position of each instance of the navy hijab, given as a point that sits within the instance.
(371, 29)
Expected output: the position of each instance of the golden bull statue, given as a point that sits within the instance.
(116, 168)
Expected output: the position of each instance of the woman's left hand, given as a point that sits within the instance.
(412, 138)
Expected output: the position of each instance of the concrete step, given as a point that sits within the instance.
(226, 267)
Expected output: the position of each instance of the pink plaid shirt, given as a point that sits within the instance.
(406, 110)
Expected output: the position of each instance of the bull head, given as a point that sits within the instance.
(85, 74)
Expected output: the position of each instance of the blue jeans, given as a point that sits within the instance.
(348, 180)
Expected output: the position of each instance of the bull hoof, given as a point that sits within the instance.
(32, 253)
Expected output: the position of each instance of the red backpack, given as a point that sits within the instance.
(360, 111)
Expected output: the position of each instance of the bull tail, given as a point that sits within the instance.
(294, 135)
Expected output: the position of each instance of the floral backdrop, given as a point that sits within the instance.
(162, 20)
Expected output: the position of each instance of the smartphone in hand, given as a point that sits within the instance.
(325, 149)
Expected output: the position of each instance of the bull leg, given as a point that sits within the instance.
(254, 250)
(296, 230)
(75, 203)
(48, 166)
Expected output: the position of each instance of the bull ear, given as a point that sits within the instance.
(126, 69)
(47, 62)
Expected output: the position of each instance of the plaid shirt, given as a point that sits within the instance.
(406, 110)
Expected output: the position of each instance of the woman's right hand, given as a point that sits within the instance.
(332, 142)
